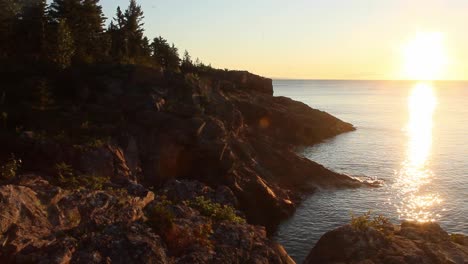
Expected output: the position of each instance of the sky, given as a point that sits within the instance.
(308, 39)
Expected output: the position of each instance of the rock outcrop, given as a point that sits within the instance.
(220, 128)
(42, 223)
(411, 242)
(116, 131)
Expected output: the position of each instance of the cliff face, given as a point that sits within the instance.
(408, 243)
(119, 126)
(42, 223)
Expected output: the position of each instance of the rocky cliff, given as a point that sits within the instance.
(410, 242)
(100, 145)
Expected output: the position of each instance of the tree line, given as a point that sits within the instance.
(70, 32)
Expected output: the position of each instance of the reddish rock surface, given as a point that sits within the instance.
(408, 243)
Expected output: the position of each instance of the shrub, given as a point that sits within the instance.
(361, 222)
(94, 182)
(63, 170)
(89, 143)
(160, 218)
(10, 169)
(179, 239)
(365, 221)
(43, 98)
(216, 211)
(68, 178)
(380, 223)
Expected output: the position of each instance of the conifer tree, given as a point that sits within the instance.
(187, 63)
(117, 47)
(173, 60)
(160, 49)
(30, 31)
(64, 48)
(126, 31)
(85, 21)
(133, 28)
(164, 54)
(9, 10)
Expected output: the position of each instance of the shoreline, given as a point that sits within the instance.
(139, 129)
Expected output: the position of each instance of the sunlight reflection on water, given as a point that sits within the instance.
(435, 156)
(416, 202)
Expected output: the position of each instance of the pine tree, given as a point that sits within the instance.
(134, 29)
(116, 31)
(165, 55)
(85, 20)
(117, 46)
(187, 63)
(64, 48)
(30, 31)
(22, 29)
(145, 48)
(9, 10)
(160, 49)
(93, 29)
(173, 60)
(126, 31)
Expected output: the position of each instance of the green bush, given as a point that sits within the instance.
(361, 222)
(216, 211)
(43, 98)
(160, 218)
(365, 221)
(89, 143)
(64, 170)
(94, 182)
(68, 178)
(181, 238)
(9, 170)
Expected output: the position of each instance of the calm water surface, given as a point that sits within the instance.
(413, 136)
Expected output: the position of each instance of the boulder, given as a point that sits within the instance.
(411, 242)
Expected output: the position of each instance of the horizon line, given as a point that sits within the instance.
(394, 80)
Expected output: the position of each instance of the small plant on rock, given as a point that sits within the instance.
(94, 182)
(181, 238)
(365, 221)
(9, 170)
(43, 98)
(160, 218)
(216, 211)
(68, 178)
(64, 170)
(361, 222)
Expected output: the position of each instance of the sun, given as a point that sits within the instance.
(425, 57)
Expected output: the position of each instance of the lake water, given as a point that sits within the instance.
(413, 136)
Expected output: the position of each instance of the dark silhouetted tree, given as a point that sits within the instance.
(85, 21)
(145, 48)
(9, 9)
(118, 47)
(64, 47)
(23, 27)
(187, 63)
(30, 31)
(133, 27)
(164, 54)
(173, 60)
(126, 31)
